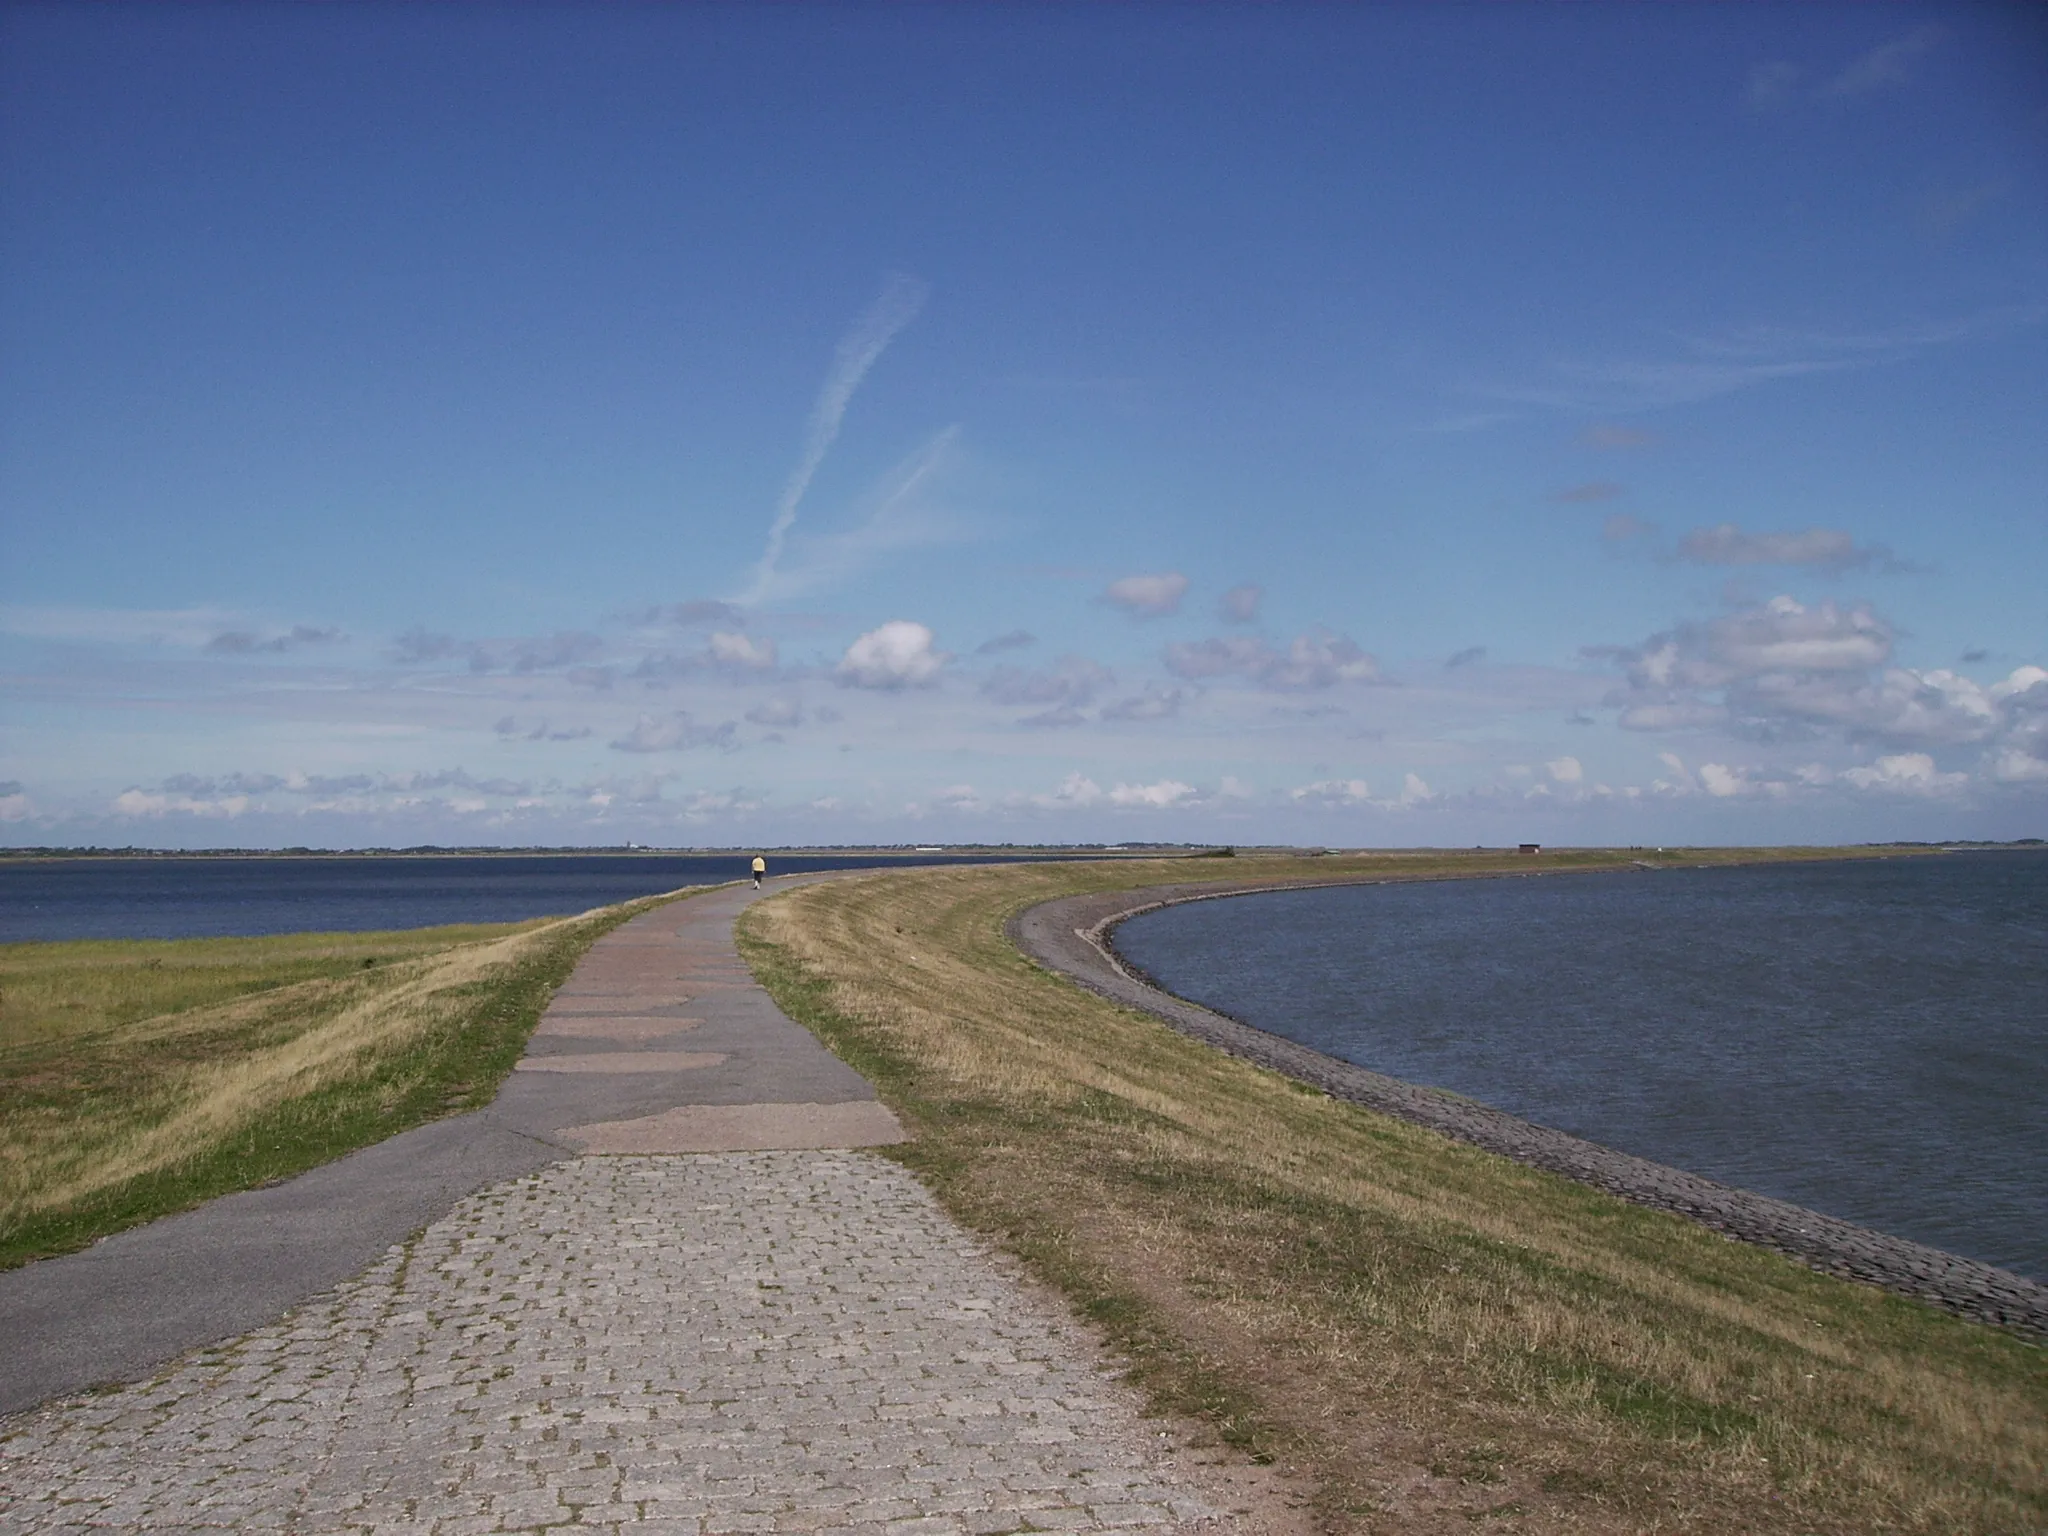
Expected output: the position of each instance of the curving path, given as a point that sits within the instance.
(656, 1287)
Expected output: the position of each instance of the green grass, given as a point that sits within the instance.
(1435, 1335)
(141, 1078)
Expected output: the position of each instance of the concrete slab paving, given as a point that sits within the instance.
(699, 1307)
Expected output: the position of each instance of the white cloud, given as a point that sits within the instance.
(1160, 796)
(1910, 773)
(1784, 671)
(1333, 792)
(1319, 659)
(1681, 781)
(741, 653)
(135, 802)
(703, 804)
(1565, 770)
(899, 654)
(1720, 780)
(1148, 597)
(14, 803)
(1900, 705)
(1240, 605)
(2010, 765)
(1075, 789)
(1415, 791)
(1669, 672)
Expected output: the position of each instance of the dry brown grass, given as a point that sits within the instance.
(1437, 1336)
(139, 1078)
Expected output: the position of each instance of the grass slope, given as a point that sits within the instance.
(141, 1078)
(1441, 1339)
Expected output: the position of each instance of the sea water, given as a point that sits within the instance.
(1867, 1038)
(189, 898)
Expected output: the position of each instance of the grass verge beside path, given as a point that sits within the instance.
(140, 1078)
(1441, 1339)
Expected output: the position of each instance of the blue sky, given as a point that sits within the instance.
(713, 426)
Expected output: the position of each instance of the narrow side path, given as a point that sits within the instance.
(703, 1309)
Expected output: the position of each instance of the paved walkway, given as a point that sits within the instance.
(708, 1311)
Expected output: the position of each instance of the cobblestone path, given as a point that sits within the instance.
(753, 1341)
(788, 1340)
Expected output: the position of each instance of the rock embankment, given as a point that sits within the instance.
(1072, 936)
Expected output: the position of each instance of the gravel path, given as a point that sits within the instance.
(1072, 936)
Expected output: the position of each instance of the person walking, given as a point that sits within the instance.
(760, 869)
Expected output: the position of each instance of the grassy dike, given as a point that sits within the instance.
(1437, 1338)
(140, 1078)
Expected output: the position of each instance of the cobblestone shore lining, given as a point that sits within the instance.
(1073, 937)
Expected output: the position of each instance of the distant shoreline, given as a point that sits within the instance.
(611, 850)
(904, 850)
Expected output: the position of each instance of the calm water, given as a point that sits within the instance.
(207, 898)
(1868, 1039)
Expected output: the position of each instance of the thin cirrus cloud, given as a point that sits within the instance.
(1610, 435)
(895, 307)
(1827, 550)
(195, 627)
(906, 510)
(1775, 85)
(1148, 597)
(1887, 65)
(1717, 364)
(1587, 493)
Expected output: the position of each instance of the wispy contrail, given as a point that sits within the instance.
(900, 300)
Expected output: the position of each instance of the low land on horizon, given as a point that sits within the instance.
(969, 850)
